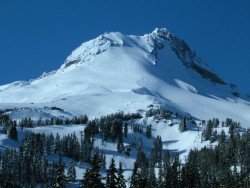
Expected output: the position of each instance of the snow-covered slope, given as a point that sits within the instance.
(117, 72)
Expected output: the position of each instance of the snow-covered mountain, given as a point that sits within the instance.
(117, 72)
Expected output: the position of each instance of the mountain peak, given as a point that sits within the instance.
(94, 47)
(105, 42)
(151, 43)
(161, 33)
(126, 72)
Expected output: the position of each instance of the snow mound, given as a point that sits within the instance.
(186, 86)
(14, 85)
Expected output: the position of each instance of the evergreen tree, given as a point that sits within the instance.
(166, 160)
(207, 132)
(143, 163)
(183, 125)
(45, 172)
(216, 122)
(86, 148)
(167, 176)
(149, 131)
(160, 176)
(126, 130)
(92, 177)
(140, 171)
(135, 177)
(49, 144)
(59, 174)
(112, 181)
(120, 146)
(214, 136)
(222, 136)
(151, 181)
(156, 152)
(58, 144)
(67, 121)
(121, 182)
(175, 172)
(13, 132)
(192, 169)
(103, 160)
(71, 172)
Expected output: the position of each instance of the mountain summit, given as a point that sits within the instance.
(117, 72)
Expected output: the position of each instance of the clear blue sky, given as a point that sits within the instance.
(37, 35)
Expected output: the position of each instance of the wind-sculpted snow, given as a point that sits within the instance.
(117, 72)
(93, 47)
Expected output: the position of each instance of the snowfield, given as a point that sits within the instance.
(124, 72)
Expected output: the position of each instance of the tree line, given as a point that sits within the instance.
(224, 165)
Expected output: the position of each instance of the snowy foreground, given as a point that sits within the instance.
(177, 142)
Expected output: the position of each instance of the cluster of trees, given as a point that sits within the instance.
(93, 178)
(28, 122)
(137, 128)
(4, 118)
(230, 122)
(9, 126)
(28, 166)
(210, 132)
(143, 172)
(70, 145)
(160, 113)
(110, 127)
(225, 165)
(27, 169)
(11, 130)
(113, 127)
